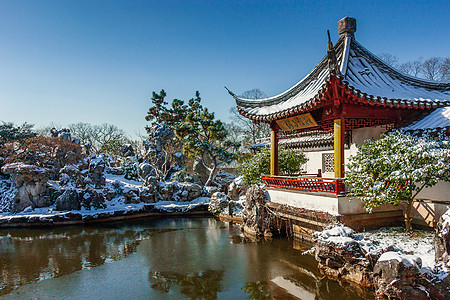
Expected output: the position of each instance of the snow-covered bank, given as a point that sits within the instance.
(397, 263)
(115, 209)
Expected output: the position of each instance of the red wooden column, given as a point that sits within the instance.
(273, 149)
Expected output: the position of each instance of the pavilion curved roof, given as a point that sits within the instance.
(362, 73)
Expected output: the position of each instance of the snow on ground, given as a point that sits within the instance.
(419, 243)
(403, 246)
(128, 183)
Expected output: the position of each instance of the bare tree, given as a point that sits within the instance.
(250, 132)
(432, 68)
(445, 69)
(98, 135)
(389, 59)
(413, 68)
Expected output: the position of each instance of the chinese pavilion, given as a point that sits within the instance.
(351, 95)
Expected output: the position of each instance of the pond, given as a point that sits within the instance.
(177, 258)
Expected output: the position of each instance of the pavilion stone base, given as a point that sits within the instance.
(310, 212)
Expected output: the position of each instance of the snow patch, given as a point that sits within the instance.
(406, 259)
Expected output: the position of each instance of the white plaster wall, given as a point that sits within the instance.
(440, 192)
(348, 206)
(358, 137)
(314, 162)
(313, 202)
(330, 204)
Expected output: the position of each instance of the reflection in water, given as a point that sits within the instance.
(204, 285)
(32, 255)
(198, 258)
(257, 290)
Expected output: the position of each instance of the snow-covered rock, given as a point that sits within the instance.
(31, 184)
(397, 276)
(68, 201)
(441, 242)
(340, 256)
(127, 150)
(219, 202)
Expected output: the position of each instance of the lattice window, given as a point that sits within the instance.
(328, 162)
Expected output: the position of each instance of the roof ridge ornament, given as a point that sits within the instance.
(347, 26)
(332, 61)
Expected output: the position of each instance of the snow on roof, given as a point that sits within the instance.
(363, 73)
(440, 118)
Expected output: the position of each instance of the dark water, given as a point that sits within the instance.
(197, 258)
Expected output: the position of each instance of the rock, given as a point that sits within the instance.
(223, 180)
(127, 150)
(131, 195)
(343, 259)
(114, 170)
(92, 199)
(441, 241)
(218, 203)
(396, 276)
(193, 191)
(31, 183)
(236, 188)
(145, 169)
(69, 200)
(256, 214)
(210, 190)
(200, 173)
(151, 182)
(179, 159)
(96, 168)
(71, 173)
(109, 193)
(146, 196)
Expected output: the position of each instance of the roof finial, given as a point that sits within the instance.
(332, 61)
(347, 26)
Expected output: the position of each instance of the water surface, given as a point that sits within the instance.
(180, 258)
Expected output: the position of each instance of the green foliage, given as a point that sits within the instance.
(289, 162)
(159, 112)
(199, 133)
(10, 132)
(202, 134)
(113, 148)
(395, 168)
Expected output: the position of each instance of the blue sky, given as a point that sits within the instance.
(99, 61)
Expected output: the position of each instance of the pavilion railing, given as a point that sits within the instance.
(305, 183)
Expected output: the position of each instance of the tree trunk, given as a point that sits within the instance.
(211, 175)
(407, 217)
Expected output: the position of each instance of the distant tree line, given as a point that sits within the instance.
(434, 68)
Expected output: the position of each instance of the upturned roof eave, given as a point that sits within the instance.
(343, 46)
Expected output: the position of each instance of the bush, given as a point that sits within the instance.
(289, 162)
(50, 153)
(395, 168)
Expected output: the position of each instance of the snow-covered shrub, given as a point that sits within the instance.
(130, 168)
(395, 168)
